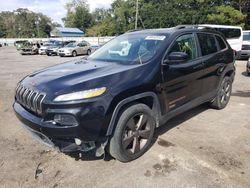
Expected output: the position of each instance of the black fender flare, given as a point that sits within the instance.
(155, 108)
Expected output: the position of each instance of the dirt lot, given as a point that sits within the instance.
(200, 148)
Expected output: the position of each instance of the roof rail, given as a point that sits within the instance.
(133, 30)
(193, 27)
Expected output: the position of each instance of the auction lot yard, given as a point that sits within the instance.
(200, 148)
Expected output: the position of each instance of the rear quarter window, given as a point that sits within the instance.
(221, 42)
(207, 43)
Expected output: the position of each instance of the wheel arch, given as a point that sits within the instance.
(148, 98)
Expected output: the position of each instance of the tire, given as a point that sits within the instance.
(74, 54)
(223, 96)
(133, 134)
(88, 52)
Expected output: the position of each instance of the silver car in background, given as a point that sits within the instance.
(76, 48)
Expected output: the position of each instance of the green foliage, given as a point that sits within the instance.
(121, 16)
(78, 15)
(24, 23)
(226, 15)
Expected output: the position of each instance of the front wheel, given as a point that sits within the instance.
(133, 134)
(223, 96)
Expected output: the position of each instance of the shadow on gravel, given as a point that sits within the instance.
(178, 120)
(241, 93)
(245, 74)
(90, 156)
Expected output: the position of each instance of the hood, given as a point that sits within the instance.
(74, 75)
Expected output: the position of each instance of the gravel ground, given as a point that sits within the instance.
(200, 148)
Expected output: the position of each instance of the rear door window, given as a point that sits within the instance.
(207, 43)
(221, 43)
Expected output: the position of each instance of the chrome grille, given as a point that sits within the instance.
(30, 99)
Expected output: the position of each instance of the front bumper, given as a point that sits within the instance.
(51, 53)
(28, 53)
(64, 54)
(63, 138)
(42, 52)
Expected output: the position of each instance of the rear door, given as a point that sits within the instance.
(182, 82)
(80, 49)
(85, 47)
(214, 60)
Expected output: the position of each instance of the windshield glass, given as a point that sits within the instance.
(130, 49)
(72, 44)
(246, 36)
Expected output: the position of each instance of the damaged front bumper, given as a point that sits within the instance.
(49, 135)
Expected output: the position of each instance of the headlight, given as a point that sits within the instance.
(81, 95)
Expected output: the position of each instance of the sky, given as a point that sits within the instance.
(52, 8)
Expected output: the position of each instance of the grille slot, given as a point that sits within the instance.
(30, 99)
(245, 47)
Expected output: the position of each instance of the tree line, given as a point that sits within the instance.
(23, 23)
(120, 17)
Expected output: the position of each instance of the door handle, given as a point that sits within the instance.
(198, 66)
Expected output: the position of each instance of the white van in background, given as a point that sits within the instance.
(245, 51)
(233, 34)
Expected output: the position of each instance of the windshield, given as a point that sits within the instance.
(130, 49)
(57, 44)
(72, 44)
(246, 36)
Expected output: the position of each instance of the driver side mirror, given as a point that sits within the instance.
(176, 57)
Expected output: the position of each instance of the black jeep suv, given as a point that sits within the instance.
(113, 100)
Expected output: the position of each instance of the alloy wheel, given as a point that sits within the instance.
(136, 134)
(225, 92)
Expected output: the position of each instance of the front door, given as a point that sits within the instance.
(182, 80)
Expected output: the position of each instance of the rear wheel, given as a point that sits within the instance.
(133, 134)
(223, 96)
(74, 54)
(88, 52)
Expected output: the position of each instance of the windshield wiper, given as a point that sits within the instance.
(139, 56)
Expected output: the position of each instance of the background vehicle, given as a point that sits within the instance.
(53, 49)
(20, 44)
(115, 98)
(76, 48)
(233, 34)
(44, 47)
(245, 51)
(1, 45)
(94, 48)
(30, 48)
(248, 67)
